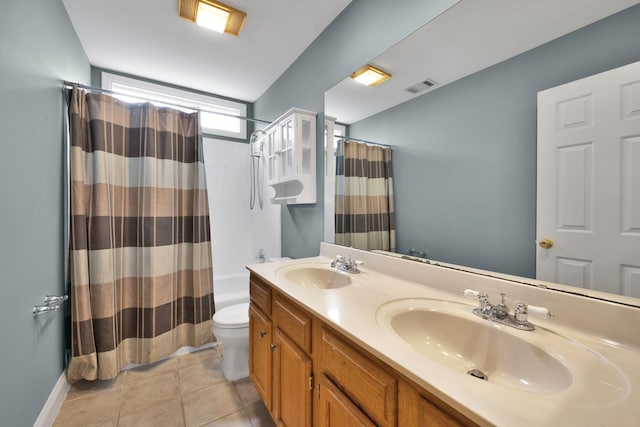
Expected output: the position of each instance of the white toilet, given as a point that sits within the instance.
(231, 328)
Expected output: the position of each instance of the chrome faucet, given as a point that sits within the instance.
(500, 312)
(346, 264)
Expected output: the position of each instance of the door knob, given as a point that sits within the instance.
(272, 347)
(546, 243)
(263, 333)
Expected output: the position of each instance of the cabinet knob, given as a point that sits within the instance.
(263, 333)
(272, 346)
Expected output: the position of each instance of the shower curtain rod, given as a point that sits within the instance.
(69, 85)
(362, 140)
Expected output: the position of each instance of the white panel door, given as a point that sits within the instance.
(589, 182)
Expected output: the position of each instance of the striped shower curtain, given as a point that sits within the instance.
(140, 249)
(365, 215)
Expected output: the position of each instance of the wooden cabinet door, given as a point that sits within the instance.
(415, 410)
(336, 410)
(260, 338)
(292, 383)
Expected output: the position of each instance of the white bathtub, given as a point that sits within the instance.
(230, 289)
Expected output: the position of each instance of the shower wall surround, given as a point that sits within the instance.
(237, 233)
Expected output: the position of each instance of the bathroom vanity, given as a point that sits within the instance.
(397, 344)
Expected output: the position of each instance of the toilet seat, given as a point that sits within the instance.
(232, 317)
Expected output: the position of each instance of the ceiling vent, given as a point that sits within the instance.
(421, 86)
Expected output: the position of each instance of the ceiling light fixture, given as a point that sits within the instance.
(214, 15)
(370, 76)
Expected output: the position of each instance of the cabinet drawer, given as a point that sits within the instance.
(294, 322)
(260, 294)
(369, 386)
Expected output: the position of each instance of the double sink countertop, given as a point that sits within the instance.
(579, 368)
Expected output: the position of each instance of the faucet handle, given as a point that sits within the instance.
(522, 310)
(483, 299)
(520, 313)
(336, 260)
(540, 311)
(470, 293)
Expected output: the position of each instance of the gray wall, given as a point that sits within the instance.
(351, 40)
(465, 154)
(39, 50)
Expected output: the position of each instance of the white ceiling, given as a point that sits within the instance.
(467, 38)
(147, 38)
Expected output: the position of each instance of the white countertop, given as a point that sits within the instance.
(610, 332)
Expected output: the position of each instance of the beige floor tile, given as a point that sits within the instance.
(246, 390)
(146, 371)
(204, 372)
(167, 413)
(84, 388)
(237, 419)
(150, 395)
(259, 415)
(219, 348)
(210, 404)
(97, 409)
(197, 357)
(149, 391)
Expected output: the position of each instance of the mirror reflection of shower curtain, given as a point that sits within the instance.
(256, 140)
(364, 203)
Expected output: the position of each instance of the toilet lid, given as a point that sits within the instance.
(235, 316)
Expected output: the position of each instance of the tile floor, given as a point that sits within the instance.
(187, 390)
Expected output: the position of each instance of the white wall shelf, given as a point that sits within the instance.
(291, 157)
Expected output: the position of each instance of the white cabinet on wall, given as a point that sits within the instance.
(291, 157)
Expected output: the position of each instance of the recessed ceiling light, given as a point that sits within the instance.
(370, 76)
(214, 15)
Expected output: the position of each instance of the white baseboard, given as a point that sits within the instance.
(53, 404)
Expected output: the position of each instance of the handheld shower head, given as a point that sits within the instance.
(256, 141)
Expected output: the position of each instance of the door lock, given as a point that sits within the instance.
(546, 243)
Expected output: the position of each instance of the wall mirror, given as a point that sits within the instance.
(464, 149)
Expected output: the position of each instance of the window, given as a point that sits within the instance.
(339, 131)
(214, 112)
(332, 134)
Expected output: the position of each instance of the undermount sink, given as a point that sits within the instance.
(533, 361)
(317, 277)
